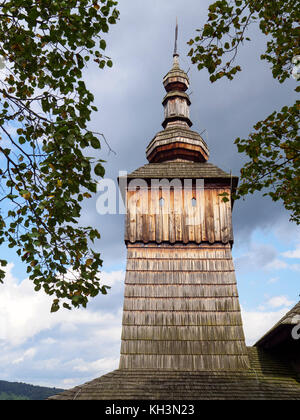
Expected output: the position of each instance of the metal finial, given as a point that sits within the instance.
(176, 38)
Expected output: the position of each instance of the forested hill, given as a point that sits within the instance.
(21, 391)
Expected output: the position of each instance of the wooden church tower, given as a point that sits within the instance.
(182, 334)
(181, 307)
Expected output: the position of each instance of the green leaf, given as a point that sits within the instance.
(99, 170)
(95, 143)
(102, 44)
(54, 307)
(104, 289)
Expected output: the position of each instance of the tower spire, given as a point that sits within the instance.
(176, 39)
(177, 141)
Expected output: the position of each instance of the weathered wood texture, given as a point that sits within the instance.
(181, 309)
(177, 141)
(269, 377)
(183, 169)
(177, 106)
(178, 215)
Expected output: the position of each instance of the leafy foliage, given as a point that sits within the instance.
(274, 147)
(45, 107)
(274, 150)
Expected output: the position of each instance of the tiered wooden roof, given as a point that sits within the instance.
(177, 140)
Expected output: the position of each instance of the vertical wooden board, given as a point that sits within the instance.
(178, 211)
(139, 218)
(216, 211)
(209, 216)
(223, 226)
(194, 209)
(190, 211)
(229, 216)
(151, 201)
(171, 218)
(155, 209)
(197, 225)
(159, 220)
(225, 216)
(131, 209)
(165, 216)
(128, 211)
(226, 231)
(127, 224)
(201, 195)
(145, 215)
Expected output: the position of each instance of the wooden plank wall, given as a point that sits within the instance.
(207, 219)
(181, 309)
(177, 106)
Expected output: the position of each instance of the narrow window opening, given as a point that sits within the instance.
(194, 202)
(161, 202)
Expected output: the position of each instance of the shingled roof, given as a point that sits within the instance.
(269, 378)
(289, 320)
(181, 169)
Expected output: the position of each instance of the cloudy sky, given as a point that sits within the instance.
(68, 348)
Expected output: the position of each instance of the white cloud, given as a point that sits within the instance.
(29, 354)
(61, 349)
(276, 264)
(258, 255)
(100, 365)
(279, 301)
(25, 313)
(257, 323)
(267, 258)
(48, 341)
(292, 254)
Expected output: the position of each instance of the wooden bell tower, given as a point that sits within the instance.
(181, 307)
(182, 333)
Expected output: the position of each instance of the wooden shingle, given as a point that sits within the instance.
(268, 378)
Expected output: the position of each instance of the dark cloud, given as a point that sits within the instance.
(130, 112)
(258, 255)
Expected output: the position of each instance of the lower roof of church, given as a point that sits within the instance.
(269, 378)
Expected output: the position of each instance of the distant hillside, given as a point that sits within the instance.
(21, 391)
